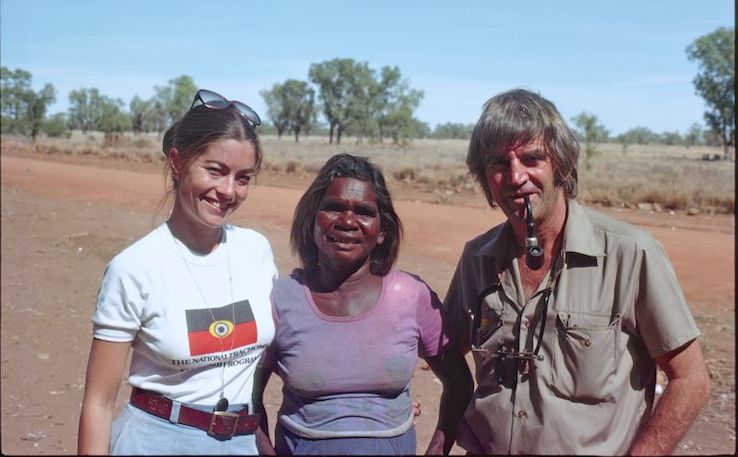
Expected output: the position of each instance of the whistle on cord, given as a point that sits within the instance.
(533, 254)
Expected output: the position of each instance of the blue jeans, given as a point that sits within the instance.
(287, 443)
(136, 432)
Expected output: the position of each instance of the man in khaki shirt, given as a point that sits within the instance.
(565, 343)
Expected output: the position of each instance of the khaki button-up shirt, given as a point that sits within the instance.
(614, 305)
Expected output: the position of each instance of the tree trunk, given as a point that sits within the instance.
(727, 153)
(333, 127)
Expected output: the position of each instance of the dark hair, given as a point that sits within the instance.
(346, 166)
(199, 128)
(518, 117)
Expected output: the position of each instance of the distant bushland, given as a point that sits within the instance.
(650, 177)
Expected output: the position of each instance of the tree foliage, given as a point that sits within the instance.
(671, 138)
(638, 135)
(22, 109)
(356, 99)
(276, 109)
(394, 104)
(15, 85)
(453, 130)
(56, 126)
(300, 98)
(112, 120)
(143, 115)
(84, 108)
(89, 110)
(37, 104)
(589, 131)
(715, 82)
(171, 101)
(291, 105)
(693, 136)
(343, 88)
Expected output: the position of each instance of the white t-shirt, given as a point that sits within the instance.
(186, 327)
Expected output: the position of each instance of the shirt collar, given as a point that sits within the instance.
(579, 233)
(579, 236)
(500, 245)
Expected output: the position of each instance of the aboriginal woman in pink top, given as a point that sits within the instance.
(350, 327)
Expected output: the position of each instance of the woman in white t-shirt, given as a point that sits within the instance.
(191, 299)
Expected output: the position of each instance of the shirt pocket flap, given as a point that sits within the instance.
(585, 321)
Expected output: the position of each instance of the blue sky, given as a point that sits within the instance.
(624, 60)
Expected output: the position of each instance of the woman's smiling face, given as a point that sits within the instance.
(212, 186)
(348, 224)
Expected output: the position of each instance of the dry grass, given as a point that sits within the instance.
(664, 177)
(657, 177)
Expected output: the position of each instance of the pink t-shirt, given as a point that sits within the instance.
(350, 376)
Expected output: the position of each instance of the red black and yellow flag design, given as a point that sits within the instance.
(218, 329)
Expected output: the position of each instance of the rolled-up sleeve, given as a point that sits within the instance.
(119, 306)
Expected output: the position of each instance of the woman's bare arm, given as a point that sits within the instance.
(105, 369)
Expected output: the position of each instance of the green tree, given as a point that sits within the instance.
(711, 138)
(589, 131)
(671, 138)
(171, 102)
(638, 135)
(276, 109)
(90, 110)
(55, 125)
(143, 117)
(394, 102)
(290, 105)
(300, 99)
(14, 87)
(344, 91)
(37, 104)
(22, 110)
(693, 136)
(84, 108)
(715, 82)
(356, 99)
(111, 120)
(453, 130)
(421, 129)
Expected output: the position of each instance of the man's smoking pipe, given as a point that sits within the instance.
(533, 254)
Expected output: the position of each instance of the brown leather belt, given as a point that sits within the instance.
(222, 424)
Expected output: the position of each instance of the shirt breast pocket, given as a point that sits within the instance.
(585, 356)
(488, 337)
(492, 311)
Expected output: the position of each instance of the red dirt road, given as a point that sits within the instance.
(62, 222)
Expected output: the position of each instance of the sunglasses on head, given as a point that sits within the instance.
(214, 100)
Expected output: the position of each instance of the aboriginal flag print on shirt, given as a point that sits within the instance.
(212, 330)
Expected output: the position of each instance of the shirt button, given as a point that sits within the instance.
(588, 342)
(526, 321)
(522, 414)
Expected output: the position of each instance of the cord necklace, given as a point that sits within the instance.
(215, 327)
